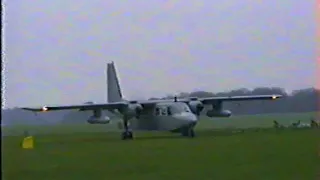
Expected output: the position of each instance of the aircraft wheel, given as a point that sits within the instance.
(188, 133)
(130, 135)
(127, 135)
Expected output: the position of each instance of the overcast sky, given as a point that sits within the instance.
(56, 50)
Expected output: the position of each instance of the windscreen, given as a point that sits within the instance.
(179, 108)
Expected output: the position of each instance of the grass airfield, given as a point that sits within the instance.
(218, 152)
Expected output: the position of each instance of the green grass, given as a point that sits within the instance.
(287, 154)
(249, 121)
(78, 152)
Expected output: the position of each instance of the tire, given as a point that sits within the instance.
(130, 135)
(124, 136)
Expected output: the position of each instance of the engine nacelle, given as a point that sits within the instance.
(134, 110)
(99, 120)
(196, 107)
(223, 113)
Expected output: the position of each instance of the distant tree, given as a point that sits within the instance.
(89, 102)
(153, 98)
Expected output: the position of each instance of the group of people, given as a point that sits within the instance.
(313, 124)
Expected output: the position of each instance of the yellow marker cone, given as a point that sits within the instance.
(28, 143)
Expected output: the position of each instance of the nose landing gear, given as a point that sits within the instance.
(188, 132)
(127, 134)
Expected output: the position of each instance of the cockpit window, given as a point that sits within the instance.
(179, 108)
(187, 109)
(163, 111)
(170, 109)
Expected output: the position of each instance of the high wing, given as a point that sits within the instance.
(211, 100)
(116, 101)
(148, 103)
(107, 106)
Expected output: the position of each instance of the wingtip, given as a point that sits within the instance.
(34, 109)
(27, 109)
(276, 96)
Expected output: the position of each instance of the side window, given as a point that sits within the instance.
(157, 111)
(169, 111)
(164, 111)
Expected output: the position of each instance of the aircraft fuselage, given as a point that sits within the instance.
(165, 117)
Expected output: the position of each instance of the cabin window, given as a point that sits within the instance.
(169, 111)
(164, 111)
(161, 111)
(157, 111)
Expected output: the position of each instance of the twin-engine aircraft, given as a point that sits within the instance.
(175, 115)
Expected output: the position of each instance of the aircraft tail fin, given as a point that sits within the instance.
(114, 91)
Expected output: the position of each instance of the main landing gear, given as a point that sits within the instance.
(127, 134)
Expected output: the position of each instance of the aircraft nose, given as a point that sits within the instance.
(192, 117)
(187, 117)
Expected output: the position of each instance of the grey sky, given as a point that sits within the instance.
(56, 50)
